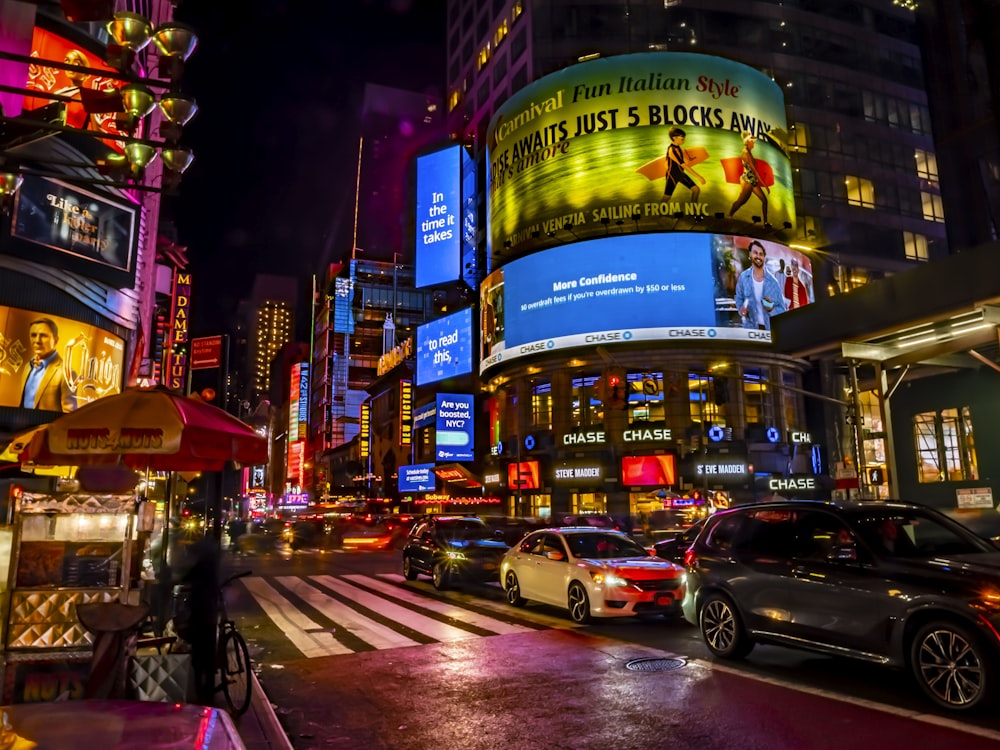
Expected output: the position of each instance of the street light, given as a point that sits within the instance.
(131, 103)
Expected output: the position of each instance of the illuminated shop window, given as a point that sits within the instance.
(705, 397)
(587, 408)
(757, 403)
(645, 397)
(946, 451)
(915, 246)
(926, 163)
(860, 192)
(930, 203)
(541, 406)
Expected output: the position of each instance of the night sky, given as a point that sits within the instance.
(278, 84)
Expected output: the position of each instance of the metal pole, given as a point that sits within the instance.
(859, 446)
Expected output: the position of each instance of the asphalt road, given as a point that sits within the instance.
(352, 656)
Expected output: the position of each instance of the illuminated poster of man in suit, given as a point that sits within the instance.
(56, 364)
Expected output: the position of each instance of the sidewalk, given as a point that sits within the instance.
(259, 727)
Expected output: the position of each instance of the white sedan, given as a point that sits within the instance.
(591, 572)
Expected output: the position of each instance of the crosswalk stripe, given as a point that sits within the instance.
(293, 623)
(428, 626)
(443, 608)
(373, 633)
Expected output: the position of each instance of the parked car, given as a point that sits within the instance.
(891, 583)
(453, 549)
(512, 528)
(673, 546)
(592, 572)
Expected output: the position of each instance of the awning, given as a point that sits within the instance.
(457, 475)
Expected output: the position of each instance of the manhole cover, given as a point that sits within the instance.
(654, 665)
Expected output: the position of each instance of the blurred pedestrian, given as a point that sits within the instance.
(202, 583)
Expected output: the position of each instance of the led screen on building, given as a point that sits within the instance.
(417, 478)
(444, 347)
(588, 149)
(73, 84)
(78, 363)
(439, 217)
(75, 229)
(455, 427)
(647, 287)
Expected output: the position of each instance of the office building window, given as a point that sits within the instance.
(915, 246)
(798, 138)
(946, 451)
(931, 206)
(860, 192)
(587, 406)
(541, 406)
(926, 163)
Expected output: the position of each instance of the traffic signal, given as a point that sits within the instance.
(876, 475)
(615, 393)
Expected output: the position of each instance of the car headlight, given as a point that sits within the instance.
(455, 556)
(608, 579)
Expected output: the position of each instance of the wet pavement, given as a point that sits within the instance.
(572, 690)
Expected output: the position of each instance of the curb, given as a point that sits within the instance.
(261, 707)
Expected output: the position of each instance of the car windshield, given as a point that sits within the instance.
(467, 530)
(914, 534)
(604, 546)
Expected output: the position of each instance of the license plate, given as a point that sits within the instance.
(664, 600)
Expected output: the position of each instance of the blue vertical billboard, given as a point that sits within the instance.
(444, 347)
(439, 217)
(454, 427)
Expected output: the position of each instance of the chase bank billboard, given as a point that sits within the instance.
(680, 286)
(636, 140)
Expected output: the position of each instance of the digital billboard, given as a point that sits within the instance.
(72, 84)
(439, 210)
(76, 363)
(417, 478)
(680, 286)
(444, 347)
(75, 229)
(455, 427)
(637, 139)
(659, 470)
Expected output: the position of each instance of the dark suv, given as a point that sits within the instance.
(453, 549)
(889, 583)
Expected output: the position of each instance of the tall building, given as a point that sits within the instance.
(360, 301)
(832, 96)
(270, 316)
(860, 141)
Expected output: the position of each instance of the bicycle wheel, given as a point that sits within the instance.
(234, 663)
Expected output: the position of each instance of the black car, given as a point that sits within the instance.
(673, 545)
(453, 549)
(890, 583)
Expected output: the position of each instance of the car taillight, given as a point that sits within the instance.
(690, 559)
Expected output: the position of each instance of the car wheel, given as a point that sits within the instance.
(409, 572)
(579, 603)
(722, 628)
(441, 577)
(513, 589)
(952, 666)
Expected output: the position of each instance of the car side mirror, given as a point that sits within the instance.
(498, 533)
(555, 555)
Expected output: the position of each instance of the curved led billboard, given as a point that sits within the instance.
(637, 140)
(679, 286)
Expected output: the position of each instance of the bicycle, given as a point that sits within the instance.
(232, 657)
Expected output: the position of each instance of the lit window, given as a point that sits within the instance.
(926, 163)
(932, 206)
(798, 138)
(915, 246)
(946, 451)
(860, 192)
(501, 33)
(484, 56)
